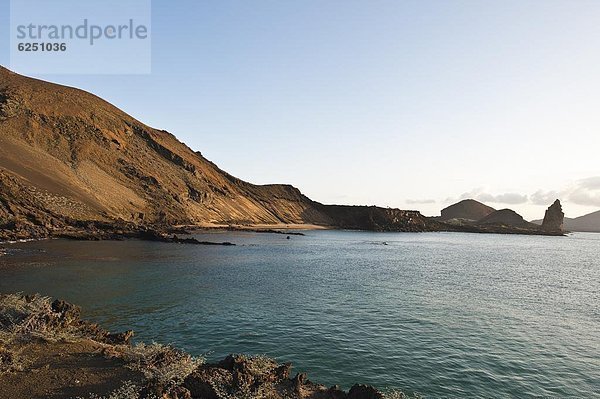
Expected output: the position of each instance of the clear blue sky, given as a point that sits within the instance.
(410, 104)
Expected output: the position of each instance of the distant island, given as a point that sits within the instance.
(74, 166)
(474, 216)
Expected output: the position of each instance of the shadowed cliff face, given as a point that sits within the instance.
(554, 218)
(67, 155)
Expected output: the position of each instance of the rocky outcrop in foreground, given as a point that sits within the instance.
(239, 376)
(46, 350)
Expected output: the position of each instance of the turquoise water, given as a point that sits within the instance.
(442, 314)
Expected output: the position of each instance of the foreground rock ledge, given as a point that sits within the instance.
(48, 351)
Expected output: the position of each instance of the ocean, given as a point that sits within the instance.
(440, 314)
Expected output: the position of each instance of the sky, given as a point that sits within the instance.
(409, 104)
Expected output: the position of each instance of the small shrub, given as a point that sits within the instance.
(128, 390)
(10, 361)
(22, 317)
(396, 394)
(259, 364)
(161, 363)
(19, 313)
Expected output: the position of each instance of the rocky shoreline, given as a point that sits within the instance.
(120, 230)
(47, 350)
(501, 229)
(96, 231)
(169, 235)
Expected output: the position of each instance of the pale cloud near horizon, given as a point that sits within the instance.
(542, 197)
(420, 201)
(506, 198)
(584, 192)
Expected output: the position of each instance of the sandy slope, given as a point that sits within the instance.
(68, 156)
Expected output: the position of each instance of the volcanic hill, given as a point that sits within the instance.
(467, 209)
(70, 160)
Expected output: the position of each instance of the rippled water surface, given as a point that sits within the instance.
(443, 314)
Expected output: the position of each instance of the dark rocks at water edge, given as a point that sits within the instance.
(30, 325)
(146, 235)
(96, 231)
(268, 231)
(240, 376)
(152, 235)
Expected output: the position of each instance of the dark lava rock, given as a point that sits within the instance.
(66, 310)
(64, 314)
(154, 235)
(206, 381)
(155, 389)
(178, 393)
(236, 375)
(360, 391)
(298, 381)
(260, 377)
(335, 393)
(554, 218)
(119, 338)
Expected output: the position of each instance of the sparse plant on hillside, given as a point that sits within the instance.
(128, 390)
(396, 394)
(31, 316)
(161, 363)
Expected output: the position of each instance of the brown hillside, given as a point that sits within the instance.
(466, 209)
(67, 156)
(589, 222)
(506, 217)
